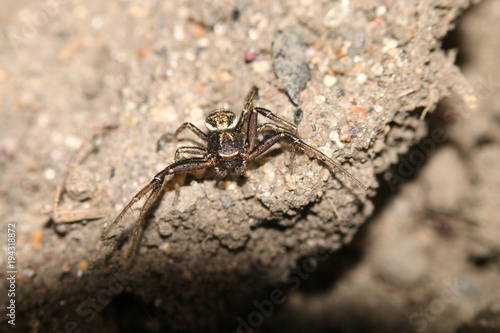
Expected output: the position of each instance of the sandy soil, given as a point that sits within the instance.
(283, 248)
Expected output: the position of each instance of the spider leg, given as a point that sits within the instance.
(193, 129)
(269, 142)
(168, 137)
(194, 150)
(285, 123)
(284, 126)
(277, 128)
(136, 198)
(137, 230)
(156, 185)
(248, 106)
(271, 127)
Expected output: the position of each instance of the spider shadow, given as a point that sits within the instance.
(125, 236)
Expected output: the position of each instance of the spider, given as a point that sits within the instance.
(229, 149)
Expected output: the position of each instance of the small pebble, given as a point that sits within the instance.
(131, 120)
(137, 11)
(66, 267)
(29, 272)
(329, 80)
(179, 34)
(197, 29)
(165, 247)
(361, 78)
(220, 29)
(389, 44)
(343, 51)
(143, 52)
(83, 265)
(344, 135)
(320, 99)
(261, 66)
(225, 76)
(357, 112)
(470, 101)
(380, 10)
(72, 142)
(49, 174)
(377, 69)
(334, 137)
(37, 238)
(165, 229)
(251, 55)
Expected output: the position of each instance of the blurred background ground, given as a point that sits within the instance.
(429, 257)
(427, 260)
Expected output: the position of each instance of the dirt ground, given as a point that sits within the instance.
(405, 95)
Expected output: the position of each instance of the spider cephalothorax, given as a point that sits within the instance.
(221, 120)
(230, 147)
(225, 142)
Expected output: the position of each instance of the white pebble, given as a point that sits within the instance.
(179, 32)
(362, 78)
(49, 174)
(380, 10)
(72, 142)
(329, 80)
(261, 66)
(320, 99)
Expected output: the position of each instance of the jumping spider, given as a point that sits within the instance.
(229, 148)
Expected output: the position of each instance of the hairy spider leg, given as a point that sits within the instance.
(277, 128)
(245, 114)
(168, 137)
(285, 123)
(271, 127)
(193, 129)
(145, 209)
(136, 198)
(248, 106)
(269, 142)
(255, 151)
(191, 150)
(156, 185)
(253, 129)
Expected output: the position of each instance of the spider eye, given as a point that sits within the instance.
(221, 120)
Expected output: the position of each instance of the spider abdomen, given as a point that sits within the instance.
(227, 145)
